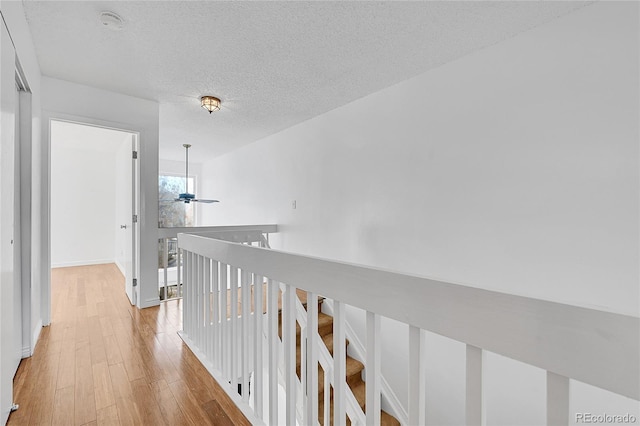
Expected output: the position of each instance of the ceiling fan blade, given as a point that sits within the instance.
(206, 201)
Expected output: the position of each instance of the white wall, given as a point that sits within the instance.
(75, 102)
(514, 169)
(83, 194)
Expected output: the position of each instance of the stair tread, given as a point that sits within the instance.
(360, 392)
(327, 339)
(325, 325)
(353, 368)
(386, 419)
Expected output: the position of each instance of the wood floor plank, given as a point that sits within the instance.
(92, 309)
(63, 407)
(146, 404)
(127, 413)
(102, 387)
(85, 403)
(216, 414)
(40, 386)
(112, 350)
(133, 365)
(108, 416)
(98, 353)
(119, 381)
(169, 407)
(188, 403)
(105, 362)
(22, 388)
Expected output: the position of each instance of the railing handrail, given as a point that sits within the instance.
(173, 232)
(595, 347)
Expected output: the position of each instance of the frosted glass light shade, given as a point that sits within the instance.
(210, 103)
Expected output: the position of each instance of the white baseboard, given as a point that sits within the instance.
(35, 335)
(81, 263)
(120, 267)
(150, 302)
(218, 376)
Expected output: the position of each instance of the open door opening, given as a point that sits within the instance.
(94, 198)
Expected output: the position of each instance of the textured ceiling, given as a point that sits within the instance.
(273, 64)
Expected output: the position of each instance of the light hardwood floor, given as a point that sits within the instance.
(104, 362)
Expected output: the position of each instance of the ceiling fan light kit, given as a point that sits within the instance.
(210, 103)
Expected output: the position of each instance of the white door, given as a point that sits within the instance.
(17, 244)
(127, 215)
(7, 181)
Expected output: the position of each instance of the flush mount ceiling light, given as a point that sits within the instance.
(210, 103)
(111, 20)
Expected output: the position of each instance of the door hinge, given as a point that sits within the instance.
(135, 155)
(135, 282)
(135, 218)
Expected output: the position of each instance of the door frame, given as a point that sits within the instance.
(46, 245)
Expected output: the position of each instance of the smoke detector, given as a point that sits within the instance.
(111, 20)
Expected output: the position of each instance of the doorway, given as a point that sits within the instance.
(94, 198)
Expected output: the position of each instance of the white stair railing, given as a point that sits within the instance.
(170, 261)
(569, 342)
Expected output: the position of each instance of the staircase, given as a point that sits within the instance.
(213, 265)
(354, 367)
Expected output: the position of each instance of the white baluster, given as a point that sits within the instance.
(200, 301)
(192, 295)
(207, 309)
(474, 406)
(339, 364)
(274, 343)
(215, 314)
(557, 400)
(373, 369)
(180, 278)
(257, 353)
(416, 376)
(303, 368)
(226, 334)
(186, 299)
(289, 339)
(246, 318)
(234, 328)
(327, 400)
(165, 264)
(204, 293)
(312, 358)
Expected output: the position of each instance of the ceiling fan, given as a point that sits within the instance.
(187, 197)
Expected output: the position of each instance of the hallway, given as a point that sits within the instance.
(104, 362)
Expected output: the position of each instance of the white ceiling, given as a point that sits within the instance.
(273, 64)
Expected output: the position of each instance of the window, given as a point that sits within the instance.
(172, 213)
